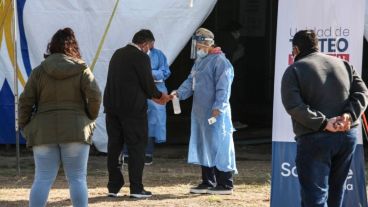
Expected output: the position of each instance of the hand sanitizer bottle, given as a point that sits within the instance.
(176, 105)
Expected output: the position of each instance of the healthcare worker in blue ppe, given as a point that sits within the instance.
(211, 140)
(156, 112)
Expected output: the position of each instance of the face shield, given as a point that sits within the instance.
(197, 39)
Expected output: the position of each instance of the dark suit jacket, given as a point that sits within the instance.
(129, 83)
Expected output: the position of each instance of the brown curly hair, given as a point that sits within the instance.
(64, 41)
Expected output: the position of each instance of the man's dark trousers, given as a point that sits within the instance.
(134, 133)
(211, 177)
(323, 161)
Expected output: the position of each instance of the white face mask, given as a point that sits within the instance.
(201, 54)
(148, 52)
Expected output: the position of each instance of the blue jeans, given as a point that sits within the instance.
(74, 157)
(323, 161)
(149, 149)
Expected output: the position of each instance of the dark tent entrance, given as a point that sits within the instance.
(252, 90)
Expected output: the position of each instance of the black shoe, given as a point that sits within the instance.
(142, 194)
(220, 190)
(200, 189)
(125, 160)
(148, 160)
(238, 125)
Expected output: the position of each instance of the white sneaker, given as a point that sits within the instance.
(113, 195)
(219, 190)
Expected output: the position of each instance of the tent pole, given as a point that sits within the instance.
(16, 84)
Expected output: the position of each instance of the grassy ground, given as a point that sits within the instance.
(169, 179)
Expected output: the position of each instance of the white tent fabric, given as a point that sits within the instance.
(171, 21)
(366, 21)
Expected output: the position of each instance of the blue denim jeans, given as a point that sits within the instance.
(323, 161)
(74, 157)
(149, 149)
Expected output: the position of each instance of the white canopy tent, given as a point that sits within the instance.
(100, 30)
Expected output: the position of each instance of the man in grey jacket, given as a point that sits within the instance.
(325, 98)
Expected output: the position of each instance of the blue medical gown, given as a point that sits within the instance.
(210, 84)
(156, 112)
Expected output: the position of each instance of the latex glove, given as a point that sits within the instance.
(164, 99)
(174, 93)
(215, 112)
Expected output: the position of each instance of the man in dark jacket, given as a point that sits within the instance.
(325, 98)
(129, 85)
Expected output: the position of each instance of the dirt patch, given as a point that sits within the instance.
(169, 179)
